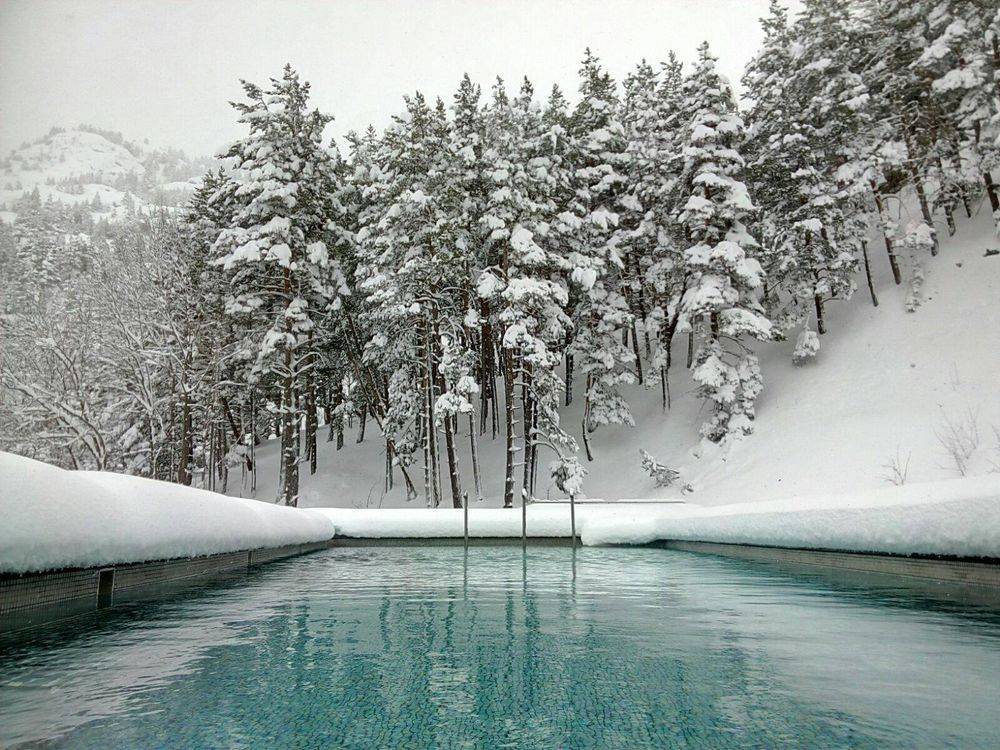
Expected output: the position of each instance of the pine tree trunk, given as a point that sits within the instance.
(640, 300)
(312, 425)
(289, 439)
(925, 209)
(437, 388)
(949, 215)
(991, 191)
(429, 423)
(289, 423)
(966, 202)
(995, 44)
(915, 173)
(494, 404)
(328, 415)
(422, 429)
(820, 322)
(952, 197)
(298, 422)
(508, 392)
(585, 423)
(456, 481)
(362, 421)
(527, 409)
(388, 465)
(336, 426)
(474, 449)
(253, 443)
(486, 365)
(223, 466)
(667, 344)
(635, 351)
(186, 442)
(569, 378)
(208, 478)
(884, 219)
(690, 353)
(868, 272)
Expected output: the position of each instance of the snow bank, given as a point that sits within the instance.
(52, 518)
(957, 517)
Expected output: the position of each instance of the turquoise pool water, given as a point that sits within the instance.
(426, 647)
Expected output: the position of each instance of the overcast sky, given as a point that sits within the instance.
(166, 69)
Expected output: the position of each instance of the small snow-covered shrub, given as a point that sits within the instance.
(897, 469)
(662, 475)
(806, 346)
(959, 438)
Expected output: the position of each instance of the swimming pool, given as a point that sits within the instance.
(435, 647)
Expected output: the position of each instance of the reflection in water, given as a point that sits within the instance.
(491, 647)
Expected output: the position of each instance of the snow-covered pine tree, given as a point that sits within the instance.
(905, 126)
(962, 61)
(601, 316)
(768, 125)
(818, 244)
(724, 274)
(637, 234)
(665, 276)
(412, 272)
(470, 175)
(280, 245)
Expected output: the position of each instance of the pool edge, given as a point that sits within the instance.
(29, 599)
(961, 571)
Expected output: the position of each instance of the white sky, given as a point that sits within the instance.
(166, 69)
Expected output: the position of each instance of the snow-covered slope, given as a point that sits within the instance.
(53, 518)
(73, 153)
(886, 384)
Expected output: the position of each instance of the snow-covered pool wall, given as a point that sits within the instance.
(51, 518)
(956, 518)
(54, 519)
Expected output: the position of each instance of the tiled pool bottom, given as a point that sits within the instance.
(429, 647)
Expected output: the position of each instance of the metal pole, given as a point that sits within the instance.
(465, 517)
(524, 519)
(572, 519)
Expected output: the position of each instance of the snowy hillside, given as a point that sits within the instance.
(96, 168)
(887, 386)
(72, 153)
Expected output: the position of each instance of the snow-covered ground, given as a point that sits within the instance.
(52, 518)
(887, 386)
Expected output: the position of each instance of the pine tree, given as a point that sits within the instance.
(601, 315)
(280, 248)
(724, 274)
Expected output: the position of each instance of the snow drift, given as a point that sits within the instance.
(53, 518)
